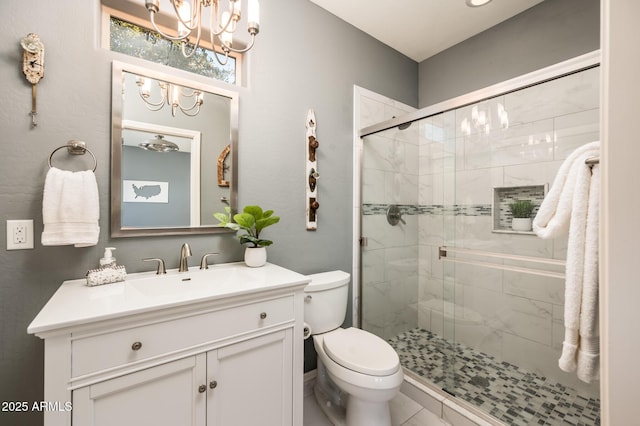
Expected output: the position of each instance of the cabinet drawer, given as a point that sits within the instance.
(108, 350)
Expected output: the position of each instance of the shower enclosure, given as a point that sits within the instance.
(473, 307)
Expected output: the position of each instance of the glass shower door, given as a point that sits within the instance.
(444, 277)
(389, 223)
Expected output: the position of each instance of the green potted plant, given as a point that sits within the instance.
(521, 211)
(252, 220)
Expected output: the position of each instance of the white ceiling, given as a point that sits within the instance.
(421, 28)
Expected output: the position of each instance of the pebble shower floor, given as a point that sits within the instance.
(505, 391)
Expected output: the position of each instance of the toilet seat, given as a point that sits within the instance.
(361, 351)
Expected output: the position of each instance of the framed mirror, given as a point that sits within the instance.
(173, 153)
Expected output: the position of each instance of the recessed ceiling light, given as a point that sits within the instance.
(477, 3)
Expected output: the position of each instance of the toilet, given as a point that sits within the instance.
(358, 372)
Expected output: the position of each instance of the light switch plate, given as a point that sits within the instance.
(19, 234)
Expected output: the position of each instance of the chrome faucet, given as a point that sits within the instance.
(161, 268)
(203, 262)
(185, 252)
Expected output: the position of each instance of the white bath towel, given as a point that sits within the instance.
(70, 208)
(572, 205)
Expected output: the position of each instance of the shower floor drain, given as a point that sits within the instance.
(482, 382)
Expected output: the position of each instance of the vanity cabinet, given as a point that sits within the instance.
(234, 358)
(162, 395)
(241, 384)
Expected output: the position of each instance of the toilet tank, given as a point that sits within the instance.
(326, 301)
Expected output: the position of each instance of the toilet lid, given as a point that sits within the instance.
(361, 351)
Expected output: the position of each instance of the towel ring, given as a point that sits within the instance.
(75, 148)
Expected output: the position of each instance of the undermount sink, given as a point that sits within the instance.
(216, 279)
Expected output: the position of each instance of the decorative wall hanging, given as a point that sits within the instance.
(222, 166)
(33, 67)
(311, 177)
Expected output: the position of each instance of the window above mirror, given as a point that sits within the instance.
(131, 35)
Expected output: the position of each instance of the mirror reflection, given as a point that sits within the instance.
(173, 144)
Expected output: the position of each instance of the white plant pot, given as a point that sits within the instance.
(255, 256)
(521, 224)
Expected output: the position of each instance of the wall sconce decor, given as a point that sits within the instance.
(33, 67)
(222, 25)
(312, 175)
(171, 94)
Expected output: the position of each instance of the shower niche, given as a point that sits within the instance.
(505, 195)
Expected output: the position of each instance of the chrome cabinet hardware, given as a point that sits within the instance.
(263, 315)
(213, 384)
(136, 346)
(202, 388)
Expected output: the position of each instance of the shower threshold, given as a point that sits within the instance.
(502, 390)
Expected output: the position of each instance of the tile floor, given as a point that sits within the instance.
(404, 412)
(505, 391)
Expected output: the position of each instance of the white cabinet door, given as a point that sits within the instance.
(169, 394)
(250, 383)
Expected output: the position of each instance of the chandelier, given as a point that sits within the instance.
(171, 94)
(222, 25)
(482, 120)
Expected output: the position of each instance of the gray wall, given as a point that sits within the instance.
(304, 58)
(550, 32)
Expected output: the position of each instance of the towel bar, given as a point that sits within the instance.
(75, 148)
(444, 250)
(592, 161)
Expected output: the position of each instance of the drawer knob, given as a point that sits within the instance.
(213, 384)
(136, 346)
(263, 315)
(202, 388)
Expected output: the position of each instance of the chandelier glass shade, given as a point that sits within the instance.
(172, 95)
(483, 120)
(222, 24)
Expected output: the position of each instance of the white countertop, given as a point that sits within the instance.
(75, 303)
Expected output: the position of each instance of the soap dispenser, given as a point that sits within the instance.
(108, 261)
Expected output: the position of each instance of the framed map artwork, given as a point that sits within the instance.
(142, 191)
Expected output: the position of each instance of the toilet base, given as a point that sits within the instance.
(357, 413)
(335, 413)
(367, 413)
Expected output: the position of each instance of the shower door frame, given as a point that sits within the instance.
(553, 72)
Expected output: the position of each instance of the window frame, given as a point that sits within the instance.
(143, 22)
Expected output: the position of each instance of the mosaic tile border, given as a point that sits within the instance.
(432, 209)
(505, 391)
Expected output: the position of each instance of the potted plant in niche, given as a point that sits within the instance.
(252, 220)
(521, 211)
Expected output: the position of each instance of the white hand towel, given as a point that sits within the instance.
(70, 208)
(552, 219)
(572, 205)
(588, 362)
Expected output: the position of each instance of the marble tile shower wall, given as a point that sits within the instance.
(515, 317)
